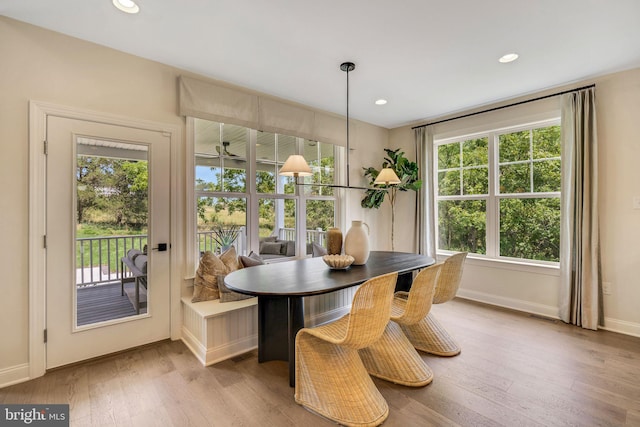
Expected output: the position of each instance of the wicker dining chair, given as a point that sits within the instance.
(429, 335)
(330, 377)
(393, 357)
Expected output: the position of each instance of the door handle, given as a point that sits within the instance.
(161, 247)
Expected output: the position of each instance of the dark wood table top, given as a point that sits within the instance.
(311, 276)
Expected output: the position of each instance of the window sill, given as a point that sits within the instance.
(529, 267)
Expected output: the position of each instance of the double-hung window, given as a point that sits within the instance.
(498, 193)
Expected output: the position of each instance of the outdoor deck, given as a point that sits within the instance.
(104, 302)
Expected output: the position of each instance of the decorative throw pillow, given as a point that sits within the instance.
(251, 260)
(230, 259)
(269, 239)
(226, 294)
(291, 248)
(133, 253)
(318, 250)
(205, 285)
(271, 248)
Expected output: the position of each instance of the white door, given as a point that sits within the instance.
(89, 312)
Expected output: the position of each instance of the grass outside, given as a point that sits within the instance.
(108, 250)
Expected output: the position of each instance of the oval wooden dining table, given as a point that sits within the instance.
(281, 287)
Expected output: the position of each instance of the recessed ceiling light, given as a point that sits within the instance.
(126, 6)
(509, 57)
(381, 101)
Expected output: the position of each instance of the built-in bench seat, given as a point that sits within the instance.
(216, 331)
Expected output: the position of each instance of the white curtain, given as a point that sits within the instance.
(425, 197)
(580, 288)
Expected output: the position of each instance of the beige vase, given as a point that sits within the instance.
(334, 241)
(356, 242)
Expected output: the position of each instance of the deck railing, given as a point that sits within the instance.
(317, 235)
(98, 258)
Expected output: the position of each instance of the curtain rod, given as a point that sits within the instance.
(505, 106)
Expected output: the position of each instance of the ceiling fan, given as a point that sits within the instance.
(225, 149)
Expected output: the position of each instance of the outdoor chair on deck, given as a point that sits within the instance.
(136, 261)
(330, 377)
(428, 335)
(393, 357)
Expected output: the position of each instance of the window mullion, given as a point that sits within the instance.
(531, 161)
(461, 163)
(493, 201)
(301, 210)
(252, 195)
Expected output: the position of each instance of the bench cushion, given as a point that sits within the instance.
(140, 261)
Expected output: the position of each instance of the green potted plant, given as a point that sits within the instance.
(406, 170)
(225, 235)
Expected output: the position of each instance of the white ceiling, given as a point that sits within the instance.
(427, 57)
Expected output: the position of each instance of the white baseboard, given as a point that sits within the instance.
(613, 325)
(516, 304)
(14, 375)
(231, 349)
(210, 356)
(621, 326)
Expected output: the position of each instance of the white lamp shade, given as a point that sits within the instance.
(387, 176)
(295, 165)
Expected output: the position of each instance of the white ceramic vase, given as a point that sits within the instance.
(356, 242)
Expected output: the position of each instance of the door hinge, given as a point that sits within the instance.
(45, 335)
(46, 147)
(44, 241)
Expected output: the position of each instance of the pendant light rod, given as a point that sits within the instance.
(347, 67)
(296, 165)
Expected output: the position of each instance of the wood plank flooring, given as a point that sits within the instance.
(514, 370)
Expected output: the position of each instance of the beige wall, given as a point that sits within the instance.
(46, 66)
(38, 64)
(618, 115)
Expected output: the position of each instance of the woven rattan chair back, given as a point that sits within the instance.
(418, 303)
(449, 279)
(370, 311)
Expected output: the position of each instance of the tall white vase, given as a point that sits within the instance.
(356, 242)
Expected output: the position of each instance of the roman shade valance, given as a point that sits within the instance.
(210, 101)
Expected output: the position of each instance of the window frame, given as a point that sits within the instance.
(251, 196)
(493, 197)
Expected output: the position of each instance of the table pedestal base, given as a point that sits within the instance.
(279, 320)
(405, 280)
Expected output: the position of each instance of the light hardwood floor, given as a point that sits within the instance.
(514, 370)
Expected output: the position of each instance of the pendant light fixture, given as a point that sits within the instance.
(387, 176)
(297, 166)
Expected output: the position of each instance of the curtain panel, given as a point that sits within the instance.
(210, 101)
(425, 197)
(580, 287)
